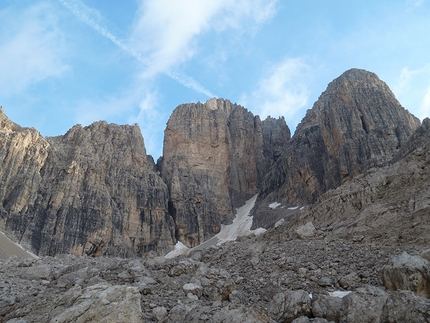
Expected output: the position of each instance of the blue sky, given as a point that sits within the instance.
(65, 62)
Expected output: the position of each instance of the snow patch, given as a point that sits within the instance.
(19, 246)
(338, 293)
(241, 225)
(179, 249)
(274, 205)
(293, 208)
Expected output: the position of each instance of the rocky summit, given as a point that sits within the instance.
(345, 201)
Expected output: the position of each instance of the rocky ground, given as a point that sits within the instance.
(257, 279)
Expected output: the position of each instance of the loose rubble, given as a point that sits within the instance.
(255, 279)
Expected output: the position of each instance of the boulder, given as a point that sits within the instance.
(350, 281)
(325, 306)
(406, 306)
(364, 305)
(195, 289)
(306, 231)
(407, 272)
(159, 313)
(289, 305)
(103, 303)
(240, 314)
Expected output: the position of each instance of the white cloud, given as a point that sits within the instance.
(94, 20)
(32, 48)
(151, 121)
(407, 77)
(166, 32)
(413, 90)
(281, 91)
(424, 111)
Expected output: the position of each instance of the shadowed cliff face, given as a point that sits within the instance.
(213, 161)
(87, 192)
(94, 191)
(357, 123)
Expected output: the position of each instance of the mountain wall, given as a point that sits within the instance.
(90, 191)
(390, 204)
(356, 124)
(214, 158)
(95, 191)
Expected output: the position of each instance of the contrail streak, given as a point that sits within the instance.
(82, 12)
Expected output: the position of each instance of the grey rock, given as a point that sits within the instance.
(184, 267)
(90, 191)
(356, 124)
(350, 281)
(195, 289)
(325, 281)
(406, 306)
(306, 231)
(237, 297)
(289, 305)
(364, 305)
(103, 303)
(240, 315)
(160, 313)
(327, 307)
(178, 313)
(408, 273)
(301, 319)
(217, 283)
(214, 160)
(425, 254)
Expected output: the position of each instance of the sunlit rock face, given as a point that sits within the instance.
(355, 124)
(90, 192)
(214, 159)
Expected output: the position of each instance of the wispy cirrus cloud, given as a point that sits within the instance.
(167, 32)
(165, 35)
(413, 90)
(33, 49)
(281, 91)
(94, 20)
(424, 109)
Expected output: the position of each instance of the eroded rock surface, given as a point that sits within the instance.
(357, 123)
(90, 192)
(214, 158)
(406, 272)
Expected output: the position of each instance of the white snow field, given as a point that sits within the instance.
(241, 226)
(274, 205)
(339, 293)
(8, 248)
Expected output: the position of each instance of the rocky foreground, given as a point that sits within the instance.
(257, 279)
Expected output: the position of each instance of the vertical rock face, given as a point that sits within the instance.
(90, 192)
(213, 160)
(356, 123)
(23, 153)
(275, 139)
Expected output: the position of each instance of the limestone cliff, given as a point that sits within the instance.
(357, 123)
(213, 160)
(90, 192)
(390, 203)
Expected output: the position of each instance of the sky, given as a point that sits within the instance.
(67, 62)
